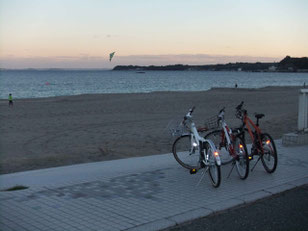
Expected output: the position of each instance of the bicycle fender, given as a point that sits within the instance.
(213, 147)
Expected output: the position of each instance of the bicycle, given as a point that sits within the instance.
(263, 144)
(194, 152)
(233, 145)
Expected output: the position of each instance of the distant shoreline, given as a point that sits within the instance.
(288, 64)
(156, 92)
(143, 70)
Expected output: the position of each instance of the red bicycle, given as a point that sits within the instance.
(263, 144)
(231, 146)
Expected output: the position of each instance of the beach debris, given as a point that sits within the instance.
(15, 188)
(111, 56)
(104, 151)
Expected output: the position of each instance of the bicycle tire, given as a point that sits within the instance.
(214, 168)
(181, 150)
(270, 152)
(216, 137)
(242, 160)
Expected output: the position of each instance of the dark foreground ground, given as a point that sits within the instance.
(284, 211)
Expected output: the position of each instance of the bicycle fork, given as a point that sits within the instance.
(232, 149)
(204, 163)
(204, 155)
(257, 150)
(205, 159)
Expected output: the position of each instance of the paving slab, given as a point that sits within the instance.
(140, 193)
(224, 205)
(279, 188)
(190, 215)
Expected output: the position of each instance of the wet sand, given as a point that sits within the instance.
(57, 131)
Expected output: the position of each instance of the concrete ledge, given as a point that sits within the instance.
(154, 226)
(279, 188)
(300, 182)
(251, 197)
(224, 205)
(295, 139)
(190, 215)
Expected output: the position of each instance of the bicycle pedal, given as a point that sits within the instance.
(193, 171)
(250, 157)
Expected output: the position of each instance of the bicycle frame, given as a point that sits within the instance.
(247, 122)
(197, 140)
(227, 134)
(257, 138)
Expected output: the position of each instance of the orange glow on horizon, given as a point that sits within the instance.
(210, 33)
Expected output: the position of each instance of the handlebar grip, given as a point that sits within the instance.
(239, 107)
(192, 109)
(222, 110)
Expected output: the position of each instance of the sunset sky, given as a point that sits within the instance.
(82, 33)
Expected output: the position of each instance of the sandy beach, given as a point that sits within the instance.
(47, 132)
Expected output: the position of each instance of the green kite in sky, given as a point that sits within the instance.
(111, 56)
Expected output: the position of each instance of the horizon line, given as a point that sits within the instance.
(87, 61)
(98, 68)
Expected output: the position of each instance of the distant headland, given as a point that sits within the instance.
(288, 64)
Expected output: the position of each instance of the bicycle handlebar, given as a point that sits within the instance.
(189, 113)
(240, 111)
(239, 107)
(192, 109)
(222, 110)
(221, 114)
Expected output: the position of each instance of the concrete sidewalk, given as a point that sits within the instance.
(143, 193)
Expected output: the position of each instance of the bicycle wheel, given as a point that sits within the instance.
(269, 157)
(185, 154)
(217, 137)
(241, 160)
(214, 168)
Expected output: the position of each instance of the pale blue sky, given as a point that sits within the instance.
(81, 33)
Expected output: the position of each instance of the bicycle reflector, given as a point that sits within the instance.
(193, 171)
(216, 154)
(241, 146)
(268, 142)
(195, 144)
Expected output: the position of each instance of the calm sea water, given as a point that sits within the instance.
(45, 83)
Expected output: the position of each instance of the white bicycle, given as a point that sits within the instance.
(194, 152)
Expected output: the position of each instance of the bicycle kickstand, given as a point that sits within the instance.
(202, 175)
(255, 163)
(233, 164)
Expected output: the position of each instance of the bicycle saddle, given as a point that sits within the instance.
(259, 116)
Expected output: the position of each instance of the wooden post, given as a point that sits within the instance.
(302, 124)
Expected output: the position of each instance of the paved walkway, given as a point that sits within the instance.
(144, 193)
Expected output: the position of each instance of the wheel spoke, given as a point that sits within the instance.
(185, 154)
(269, 157)
(241, 161)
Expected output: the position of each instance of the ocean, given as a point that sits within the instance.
(46, 83)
